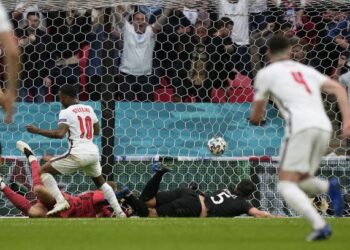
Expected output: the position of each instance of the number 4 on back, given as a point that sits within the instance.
(299, 78)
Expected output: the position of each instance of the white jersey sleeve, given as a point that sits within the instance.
(5, 24)
(262, 85)
(64, 118)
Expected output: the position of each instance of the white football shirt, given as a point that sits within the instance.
(258, 6)
(5, 24)
(80, 119)
(239, 14)
(138, 51)
(296, 90)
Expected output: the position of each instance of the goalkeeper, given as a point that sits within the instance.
(88, 204)
(185, 202)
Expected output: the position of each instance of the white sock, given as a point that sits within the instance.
(314, 186)
(2, 185)
(32, 158)
(51, 185)
(110, 196)
(298, 201)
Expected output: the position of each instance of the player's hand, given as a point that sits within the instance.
(261, 123)
(32, 129)
(121, 215)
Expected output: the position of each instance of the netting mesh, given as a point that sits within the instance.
(207, 175)
(165, 81)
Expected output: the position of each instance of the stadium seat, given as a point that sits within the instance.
(241, 95)
(218, 95)
(164, 81)
(241, 81)
(163, 94)
(189, 98)
(241, 89)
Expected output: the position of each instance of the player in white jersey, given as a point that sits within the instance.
(9, 44)
(296, 89)
(80, 124)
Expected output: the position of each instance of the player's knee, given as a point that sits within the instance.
(36, 213)
(39, 189)
(290, 176)
(151, 203)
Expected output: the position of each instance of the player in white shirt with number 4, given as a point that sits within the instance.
(296, 90)
(80, 124)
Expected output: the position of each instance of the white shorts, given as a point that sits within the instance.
(302, 152)
(68, 163)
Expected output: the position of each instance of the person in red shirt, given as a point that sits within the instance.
(88, 204)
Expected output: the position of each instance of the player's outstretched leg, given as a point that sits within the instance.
(24, 148)
(336, 197)
(152, 186)
(48, 180)
(33, 161)
(17, 200)
(51, 186)
(299, 202)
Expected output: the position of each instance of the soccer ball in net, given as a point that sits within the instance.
(217, 145)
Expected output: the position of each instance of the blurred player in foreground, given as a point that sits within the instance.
(9, 44)
(89, 204)
(80, 124)
(185, 202)
(296, 90)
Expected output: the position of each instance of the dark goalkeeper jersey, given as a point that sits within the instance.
(225, 204)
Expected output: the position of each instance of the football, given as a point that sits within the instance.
(217, 145)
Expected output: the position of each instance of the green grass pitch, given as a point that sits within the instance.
(167, 234)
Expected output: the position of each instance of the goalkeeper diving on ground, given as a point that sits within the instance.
(186, 202)
(180, 202)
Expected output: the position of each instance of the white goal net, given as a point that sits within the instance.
(190, 78)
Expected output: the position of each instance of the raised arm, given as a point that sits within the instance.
(58, 133)
(120, 13)
(157, 26)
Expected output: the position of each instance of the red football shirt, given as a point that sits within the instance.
(89, 204)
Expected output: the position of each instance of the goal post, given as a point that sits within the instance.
(210, 174)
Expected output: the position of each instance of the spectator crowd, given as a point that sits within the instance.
(182, 53)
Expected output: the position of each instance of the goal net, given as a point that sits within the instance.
(166, 81)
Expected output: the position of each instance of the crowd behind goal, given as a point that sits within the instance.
(189, 53)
